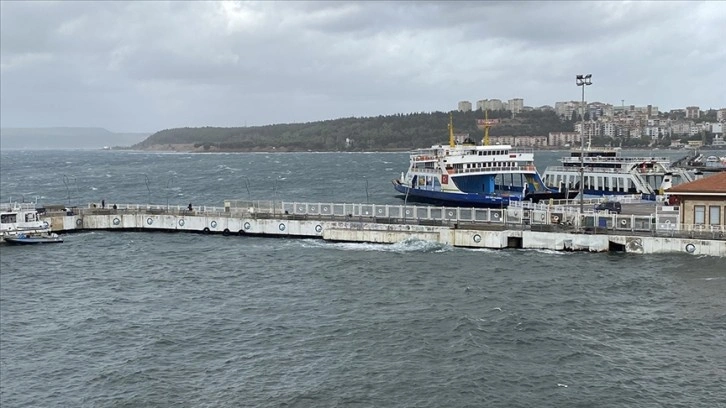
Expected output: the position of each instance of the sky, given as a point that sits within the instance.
(146, 66)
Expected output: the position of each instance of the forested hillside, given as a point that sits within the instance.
(394, 132)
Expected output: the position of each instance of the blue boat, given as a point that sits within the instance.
(464, 173)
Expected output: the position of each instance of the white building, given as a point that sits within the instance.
(717, 128)
(516, 105)
(490, 104)
(563, 139)
(609, 129)
(718, 141)
(464, 106)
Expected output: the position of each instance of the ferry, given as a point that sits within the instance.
(21, 218)
(704, 164)
(464, 173)
(607, 172)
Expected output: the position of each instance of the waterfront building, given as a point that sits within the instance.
(563, 139)
(702, 202)
(519, 141)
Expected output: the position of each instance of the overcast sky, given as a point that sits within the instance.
(147, 66)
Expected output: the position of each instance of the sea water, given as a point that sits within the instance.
(180, 319)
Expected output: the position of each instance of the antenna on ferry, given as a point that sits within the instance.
(485, 141)
(451, 130)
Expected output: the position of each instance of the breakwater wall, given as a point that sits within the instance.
(552, 228)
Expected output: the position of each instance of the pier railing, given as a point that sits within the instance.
(517, 216)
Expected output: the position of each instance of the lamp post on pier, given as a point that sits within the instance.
(582, 81)
(148, 189)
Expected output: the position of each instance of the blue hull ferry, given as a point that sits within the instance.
(464, 173)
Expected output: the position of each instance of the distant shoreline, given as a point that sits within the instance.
(192, 149)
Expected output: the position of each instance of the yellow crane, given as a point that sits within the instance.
(451, 130)
(485, 141)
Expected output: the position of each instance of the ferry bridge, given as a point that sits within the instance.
(552, 226)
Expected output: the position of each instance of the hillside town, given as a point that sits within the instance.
(607, 124)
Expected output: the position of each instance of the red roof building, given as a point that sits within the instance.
(702, 202)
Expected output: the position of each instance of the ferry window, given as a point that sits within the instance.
(714, 215)
(699, 214)
(8, 218)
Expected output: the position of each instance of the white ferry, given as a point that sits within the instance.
(463, 173)
(606, 172)
(21, 219)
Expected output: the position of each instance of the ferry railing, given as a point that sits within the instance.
(620, 159)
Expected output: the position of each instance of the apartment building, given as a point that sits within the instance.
(591, 129)
(563, 139)
(717, 128)
(516, 105)
(489, 104)
(520, 141)
(565, 109)
(693, 112)
(464, 106)
(609, 129)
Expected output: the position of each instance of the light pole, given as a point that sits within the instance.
(148, 189)
(582, 81)
(68, 190)
(247, 184)
(168, 184)
(367, 200)
(274, 188)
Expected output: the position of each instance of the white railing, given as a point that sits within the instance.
(517, 215)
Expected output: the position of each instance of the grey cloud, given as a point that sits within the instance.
(165, 64)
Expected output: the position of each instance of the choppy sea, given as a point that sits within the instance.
(130, 319)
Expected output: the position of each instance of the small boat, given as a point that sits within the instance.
(21, 218)
(464, 173)
(32, 239)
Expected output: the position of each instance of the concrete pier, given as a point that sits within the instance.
(527, 227)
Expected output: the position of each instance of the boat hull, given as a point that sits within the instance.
(452, 199)
(32, 240)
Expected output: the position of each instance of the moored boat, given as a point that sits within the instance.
(605, 172)
(464, 173)
(32, 239)
(21, 218)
